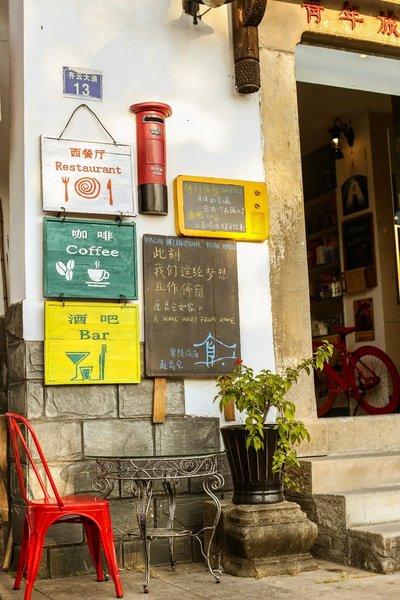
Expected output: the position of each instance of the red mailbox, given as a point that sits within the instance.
(151, 156)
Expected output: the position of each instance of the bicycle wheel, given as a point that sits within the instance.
(375, 380)
(325, 394)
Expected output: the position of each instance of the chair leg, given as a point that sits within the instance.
(107, 540)
(34, 556)
(23, 557)
(93, 540)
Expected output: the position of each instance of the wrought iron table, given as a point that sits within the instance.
(141, 473)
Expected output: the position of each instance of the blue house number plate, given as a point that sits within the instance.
(81, 83)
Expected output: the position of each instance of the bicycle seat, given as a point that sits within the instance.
(343, 330)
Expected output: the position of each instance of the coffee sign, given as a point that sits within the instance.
(89, 259)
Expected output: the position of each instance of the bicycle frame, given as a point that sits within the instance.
(341, 379)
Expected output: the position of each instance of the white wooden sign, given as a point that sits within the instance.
(87, 177)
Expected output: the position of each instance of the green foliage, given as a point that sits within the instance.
(255, 395)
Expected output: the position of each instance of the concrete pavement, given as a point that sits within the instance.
(193, 582)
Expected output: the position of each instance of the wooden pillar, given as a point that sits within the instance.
(159, 399)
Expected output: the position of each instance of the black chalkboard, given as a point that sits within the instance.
(358, 242)
(191, 306)
(214, 206)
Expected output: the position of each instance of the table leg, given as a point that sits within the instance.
(170, 493)
(144, 493)
(213, 483)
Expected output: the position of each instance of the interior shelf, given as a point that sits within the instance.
(324, 269)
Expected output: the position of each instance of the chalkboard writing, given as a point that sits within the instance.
(222, 208)
(358, 243)
(191, 306)
(214, 206)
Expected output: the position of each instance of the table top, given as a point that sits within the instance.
(158, 467)
(155, 456)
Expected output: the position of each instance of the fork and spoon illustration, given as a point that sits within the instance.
(65, 181)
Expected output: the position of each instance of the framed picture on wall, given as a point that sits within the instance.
(364, 319)
(354, 194)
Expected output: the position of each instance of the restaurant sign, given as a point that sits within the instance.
(89, 259)
(87, 177)
(91, 343)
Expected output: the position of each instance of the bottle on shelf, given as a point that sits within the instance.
(320, 254)
(329, 250)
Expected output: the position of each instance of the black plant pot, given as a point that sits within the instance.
(252, 476)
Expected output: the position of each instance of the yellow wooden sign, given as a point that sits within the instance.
(222, 208)
(91, 343)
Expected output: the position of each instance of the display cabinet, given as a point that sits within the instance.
(323, 259)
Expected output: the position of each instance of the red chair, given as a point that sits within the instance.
(92, 512)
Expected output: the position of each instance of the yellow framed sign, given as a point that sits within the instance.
(222, 208)
(91, 343)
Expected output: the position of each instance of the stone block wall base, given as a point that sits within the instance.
(266, 539)
(376, 549)
(264, 567)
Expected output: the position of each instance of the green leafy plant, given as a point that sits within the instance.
(256, 394)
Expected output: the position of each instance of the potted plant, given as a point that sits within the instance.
(262, 456)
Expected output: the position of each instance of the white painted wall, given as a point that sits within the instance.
(146, 51)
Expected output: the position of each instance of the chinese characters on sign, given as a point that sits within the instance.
(87, 343)
(87, 177)
(388, 21)
(89, 259)
(225, 208)
(191, 306)
(214, 208)
(81, 83)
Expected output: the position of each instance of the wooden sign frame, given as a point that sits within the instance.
(221, 208)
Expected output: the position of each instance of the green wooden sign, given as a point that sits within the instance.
(89, 259)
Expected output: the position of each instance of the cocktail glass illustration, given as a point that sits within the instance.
(76, 358)
(86, 372)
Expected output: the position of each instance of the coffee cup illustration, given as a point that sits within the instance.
(98, 275)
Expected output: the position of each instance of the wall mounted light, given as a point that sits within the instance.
(335, 131)
(192, 7)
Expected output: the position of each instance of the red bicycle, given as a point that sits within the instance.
(367, 375)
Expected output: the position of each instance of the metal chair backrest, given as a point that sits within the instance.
(20, 447)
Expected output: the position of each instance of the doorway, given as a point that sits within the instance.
(345, 194)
